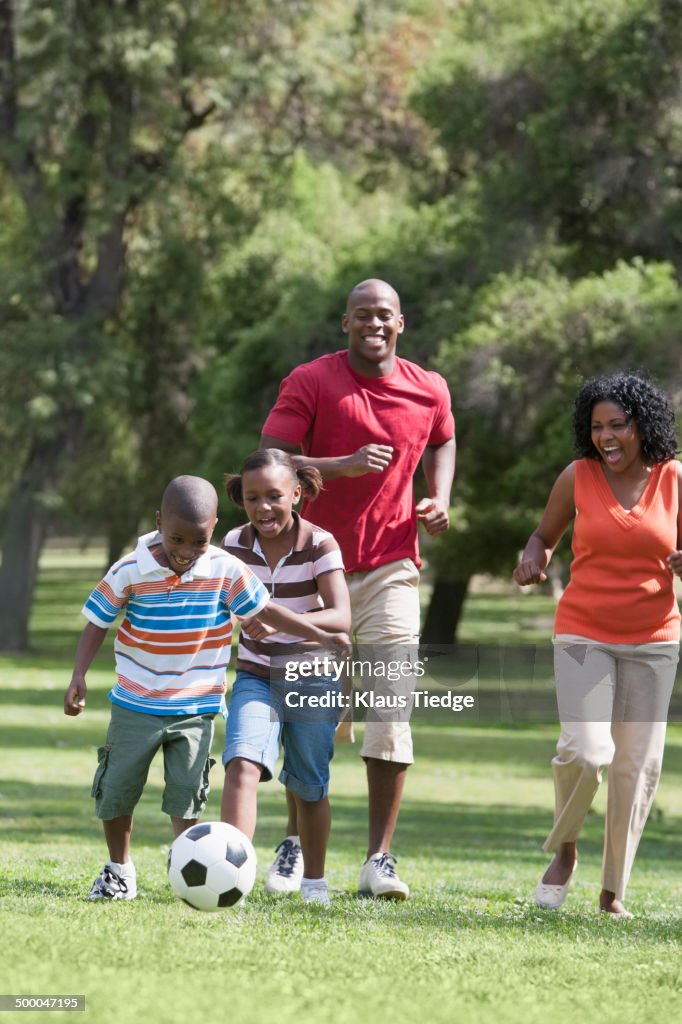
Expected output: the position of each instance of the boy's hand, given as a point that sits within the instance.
(257, 630)
(74, 698)
(341, 641)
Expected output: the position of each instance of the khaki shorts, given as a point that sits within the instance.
(385, 616)
(132, 741)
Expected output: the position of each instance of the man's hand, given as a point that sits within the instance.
(433, 515)
(371, 458)
(74, 698)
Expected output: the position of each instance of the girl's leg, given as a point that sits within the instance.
(239, 802)
(314, 822)
(292, 820)
(251, 748)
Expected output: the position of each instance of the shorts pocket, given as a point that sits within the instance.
(103, 760)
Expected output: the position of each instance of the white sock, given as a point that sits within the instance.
(126, 870)
(310, 883)
(295, 839)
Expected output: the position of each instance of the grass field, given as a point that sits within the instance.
(469, 945)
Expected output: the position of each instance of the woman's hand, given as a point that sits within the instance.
(528, 572)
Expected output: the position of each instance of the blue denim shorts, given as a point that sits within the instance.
(258, 720)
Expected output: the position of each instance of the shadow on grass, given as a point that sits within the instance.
(451, 833)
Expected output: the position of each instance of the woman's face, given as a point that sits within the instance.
(615, 436)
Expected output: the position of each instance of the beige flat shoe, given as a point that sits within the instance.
(551, 897)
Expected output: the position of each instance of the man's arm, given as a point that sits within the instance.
(371, 458)
(438, 462)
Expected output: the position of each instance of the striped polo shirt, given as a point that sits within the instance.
(292, 583)
(173, 646)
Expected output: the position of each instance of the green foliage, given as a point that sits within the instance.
(568, 116)
(514, 372)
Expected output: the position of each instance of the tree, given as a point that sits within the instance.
(516, 370)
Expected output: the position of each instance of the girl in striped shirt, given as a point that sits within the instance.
(301, 566)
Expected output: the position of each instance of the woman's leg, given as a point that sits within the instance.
(585, 681)
(646, 675)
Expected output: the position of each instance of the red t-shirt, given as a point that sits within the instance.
(330, 410)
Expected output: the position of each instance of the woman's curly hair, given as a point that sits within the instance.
(639, 398)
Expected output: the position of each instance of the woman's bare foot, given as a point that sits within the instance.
(610, 905)
(563, 865)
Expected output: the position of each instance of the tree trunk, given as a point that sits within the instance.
(25, 529)
(444, 611)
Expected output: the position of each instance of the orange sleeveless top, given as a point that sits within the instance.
(621, 589)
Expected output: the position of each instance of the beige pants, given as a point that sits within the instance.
(385, 617)
(613, 703)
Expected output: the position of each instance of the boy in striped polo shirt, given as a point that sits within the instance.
(172, 649)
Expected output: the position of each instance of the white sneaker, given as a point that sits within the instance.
(110, 885)
(286, 871)
(315, 892)
(378, 878)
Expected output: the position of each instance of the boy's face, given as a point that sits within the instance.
(182, 542)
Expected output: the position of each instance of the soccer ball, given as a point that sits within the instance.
(212, 865)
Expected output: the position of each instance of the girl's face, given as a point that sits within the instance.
(269, 494)
(615, 436)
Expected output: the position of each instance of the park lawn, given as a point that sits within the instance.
(469, 945)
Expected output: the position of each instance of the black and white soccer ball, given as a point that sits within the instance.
(212, 865)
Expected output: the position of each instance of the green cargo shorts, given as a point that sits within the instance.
(132, 741)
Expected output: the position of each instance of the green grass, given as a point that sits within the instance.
(469, 945)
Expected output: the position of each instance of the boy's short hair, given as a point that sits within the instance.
(190, 498)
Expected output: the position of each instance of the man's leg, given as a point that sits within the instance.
(385, 782)
(385, 609)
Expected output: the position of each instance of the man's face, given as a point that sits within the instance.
(373, 322)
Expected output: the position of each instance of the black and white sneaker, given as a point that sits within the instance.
(112, 886)
(286, 871)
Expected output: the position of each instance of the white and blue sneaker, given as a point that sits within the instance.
(286, 871)
(378, 878)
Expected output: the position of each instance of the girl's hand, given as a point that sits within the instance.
(675, 562)
(529, 572)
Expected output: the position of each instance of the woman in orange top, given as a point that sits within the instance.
(617, 626)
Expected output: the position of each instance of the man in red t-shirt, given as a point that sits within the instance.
(365, 418)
